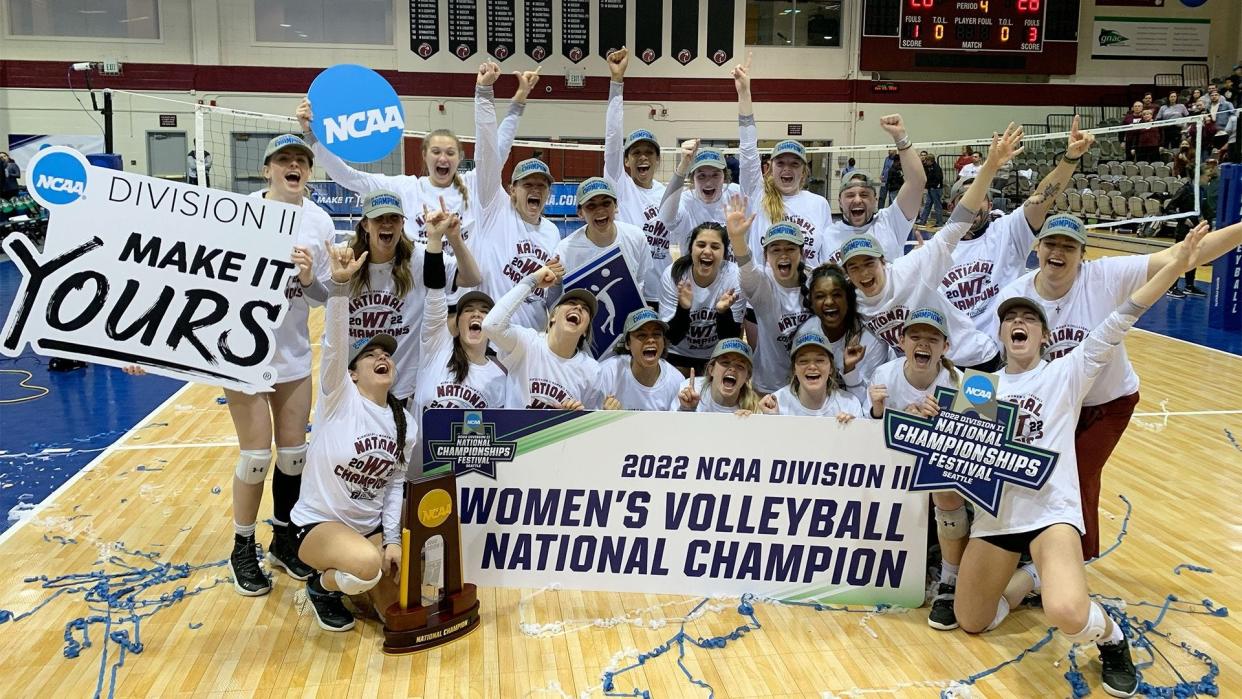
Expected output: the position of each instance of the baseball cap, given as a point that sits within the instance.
(531, 166)
(1067, 225)
(287, 140)
(789, 146)
(809, 338)
(783, 231)
(473, 296)
(384, 341)
(581, 294)
(595, 187)
(857, 178)
(641, 136)
(641, 317)
(1023, 302)
(708, 157)
(733, 345)
(860, 245)
(381, 202)
(927, 316)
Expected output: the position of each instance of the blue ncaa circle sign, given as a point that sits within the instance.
(358, 115)
(978, 390)
(57, 176)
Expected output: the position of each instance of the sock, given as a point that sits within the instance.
(1112, 638)
(1029, 569)
(948, 573)
(246, 531)
(285, 490)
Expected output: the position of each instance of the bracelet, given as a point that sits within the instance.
(1068, 159)
(903, 143)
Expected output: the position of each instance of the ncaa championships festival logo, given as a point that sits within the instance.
(978, 390)
(358, 115)
(473, 448)
(648, 56)
(720, 57)
(684, 57)
(57, 176)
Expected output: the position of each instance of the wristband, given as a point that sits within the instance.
(903, 143)
(1068, 159)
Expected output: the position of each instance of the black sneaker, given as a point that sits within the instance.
(330, 611)
(942, 616)
(248, 578)
(1176, 293)
(1195, 291)
(283, 553)
(1118, 676)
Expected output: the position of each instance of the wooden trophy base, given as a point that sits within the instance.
(419, 628)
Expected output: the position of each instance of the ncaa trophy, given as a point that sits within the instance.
(430, 510)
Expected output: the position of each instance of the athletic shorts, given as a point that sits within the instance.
(1015, 543)
(300, 532)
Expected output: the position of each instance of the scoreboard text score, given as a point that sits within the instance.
(973, 25)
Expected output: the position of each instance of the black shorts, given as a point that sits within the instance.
(1019, 543)
(683, 362)
(300, 532)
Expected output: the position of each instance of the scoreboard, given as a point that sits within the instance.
(973, 25)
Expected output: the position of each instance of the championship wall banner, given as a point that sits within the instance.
(649, 31)
(463, 31)
(793, 508)
(575, 29)
(612, 24)
(537, 24)
(501, 28)
(425, 27)
(187, 281)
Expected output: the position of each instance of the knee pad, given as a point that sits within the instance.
(291, 460)
(952, 524)
(351, 585)
(252, 465)
(1002, 611)
(1097, 624)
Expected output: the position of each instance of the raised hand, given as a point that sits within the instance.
(489, 73)
(548, 275)
(736, 221)
(894, 125)
(689, 395)
(342, 263)
(304, 261)
(442, 223)
(685, 293)
(741, 75)
(1186, 253)
(527, 79)
(768, 405)
(304, 115)
(1005, 147)
(853, 355)
(878, 393)
(618, 61)
(688, 149)
(1079, 141)
(725, 302)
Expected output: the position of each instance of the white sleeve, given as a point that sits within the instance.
(755, 284)
(928, 265)
(394, 497)
(1097, 350)
(670, 204)
(1021, 238)
(508, 131)
(614, 139)
(351, 179)
(668, 295)
(487, 162)
(336, 362)
(750, 169)
(434, 332)
(498, 326)
(644, 264)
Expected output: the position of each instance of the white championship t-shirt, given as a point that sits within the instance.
(637, 206)
(701, 337)
(837, 402)
(617, 379)
(779, 313)
(901, 393)
(982, 265)
(484, 385)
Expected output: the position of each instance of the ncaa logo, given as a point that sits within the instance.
(978, 390)
(473, 421)
(58, 177)
(358, 115)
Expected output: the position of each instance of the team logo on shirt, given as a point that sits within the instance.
(473, 446)
(527, 257)
(1030, 425)
(455, 395)
(969, 286)
(547, 395)
(787, 326)
(373, 312)
(657, 234)
(887, 325)
(1063, 340)
(971, 454)
(808, 235)
(371, 468)
(702, 332)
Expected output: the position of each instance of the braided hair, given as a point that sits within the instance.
(398, 417)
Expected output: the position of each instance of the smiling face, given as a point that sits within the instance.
(442, 154)
(1060, 257)
(812, 367)
(867, 274)
(646, 345)
(1022, 334)
(373, 371)
(830, 303)
(709, 182)
(641, 161)
(599, 213)
(529, 195)
(382, 235)
(572, 316)
(783, 257)
(286, 173)
(469, 324)
(923, 346)
(788, 171)
(729, 373)
(858, 205)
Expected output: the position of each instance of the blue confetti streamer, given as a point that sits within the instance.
(222, 400)
(1121, 535)
(1233, 440)
(196, 625)
(1177, 569)
(215, 490)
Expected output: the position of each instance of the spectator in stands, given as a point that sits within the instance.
(933, 199)
(1229, 90)
(895, 178)
(1133, 116)
(1194, 103)
(9, 174)
(1227, 140)
(1147, 142)
(963, 160)
(888, 164)
(971, 170)
(850, 166)
(1218, 110)
(1147, 101)
(1173, 109)
(1183, 162)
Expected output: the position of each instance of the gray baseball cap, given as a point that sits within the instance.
(384, 341)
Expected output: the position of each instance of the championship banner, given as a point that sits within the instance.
(609, 278)
(611, 26)
(649, 30)
(358, 116)
(187, 281)
(537, 24)
(1151, 38)
(575, 29)
(463, 32)
(684, 37)
(501, 28)
(622, 501)
(719, 31)
(425, 27)
(969, 445)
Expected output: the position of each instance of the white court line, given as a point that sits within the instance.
(4, 536)
(186, 445)
(1190, 413)
(1188, 342)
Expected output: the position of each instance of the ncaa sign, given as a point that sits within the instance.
(978, 390)
(358, 116)
(57, 176)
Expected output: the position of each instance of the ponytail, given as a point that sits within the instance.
(944, 362)
(398, 417)
(773, 200)
(459, 362)
(460, 186)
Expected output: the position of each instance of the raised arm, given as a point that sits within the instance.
(1212, 246)
(751, 276)
(498, 326)
(614, 118)
(750, 169)
(487, 162)
(670, 204)
(435, 310)
(1040, 202)
(517, 107)
(910, 196)
(340, 172)
(336, 324)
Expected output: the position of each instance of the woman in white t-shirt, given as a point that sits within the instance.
(909, 384)
(355, 466)
(602, 232)
(551, 369)
(454, 370)
(856, 352)
(700, 298)
(726, 387)
(1049, 521)
(812, 391)
(682, 211)
(638, 378)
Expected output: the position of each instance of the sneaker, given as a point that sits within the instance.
(1176, 293)
(283, 553)
(248, 578)
(1118, 675)
(1195, 291)
(330, 611)
(942, 616)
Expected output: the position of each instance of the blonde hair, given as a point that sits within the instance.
(401, 273)
(773, 200)
(747, 398)
(458, 183)
(833, 386)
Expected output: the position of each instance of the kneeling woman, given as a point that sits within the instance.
(812, 391)
(355, 466)
(1049, 521)
(726, 388)
(638, 378)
